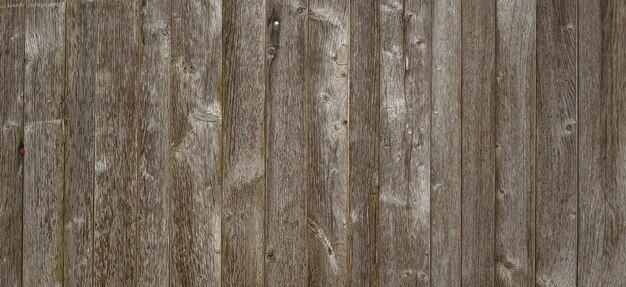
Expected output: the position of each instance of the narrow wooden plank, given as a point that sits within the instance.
(286, 162)
(478, 195)
(602, 143)
(515, 142)
(557, 170)
(154, 143)
(244, 144)
(196, 141)
(115, 192)
(364, 126)
(11, 123)
(44, 82)
(446, 153)
(327, 127)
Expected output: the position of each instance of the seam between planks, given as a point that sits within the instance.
(138, 140)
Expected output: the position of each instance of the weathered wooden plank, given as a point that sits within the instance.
(286, 162)
(556, 158)
(44, 81)
(602, 143)
(327, 128)
(446, 154)
(196, 141)
(154, 143)
(364, 137)
(244, 144)
(515, 142)
(115, 141)
(478, 90)
(11, 123)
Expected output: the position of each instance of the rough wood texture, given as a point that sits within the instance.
(327, 128)
(446, 154)
(285, 159)
(115, 194)
(44, 80)
(478, 125)
(557, 140)
(364, 136)
(515, 142)
(11, 136)
(196, 140)
(153, 158)
(243, 208)
(602, 202)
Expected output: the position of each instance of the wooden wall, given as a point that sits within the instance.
(312, 142)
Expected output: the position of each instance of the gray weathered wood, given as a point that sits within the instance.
(285, 159)
(602, 143)
(364, 137)
(44, 80)
(446, 153)
(515, 142)
(11, 123)
(478, 125)
(556, 157)
(196, 142)
(115, 140)
(244, 144)
(154, 142)
(327, 128)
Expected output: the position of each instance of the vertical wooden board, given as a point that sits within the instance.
(515, 142)
(446, 153)
(602, 143)
(196, 143)
(364, 139)
(115, 194)
(44, 81)
(327, 129)
(154, 142)
(243, 165)
(11, 123)
(557, 178)
(285, 159)
(478, 194)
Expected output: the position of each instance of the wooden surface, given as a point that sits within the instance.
(312, 143)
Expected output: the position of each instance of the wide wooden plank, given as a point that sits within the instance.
(327, 128)
(364, 127)
(154, 142)
(446, 153)
(515, 142)
(11, 137)
(196, 141)
(286, 162)
(243, 165)
(44, 82)
(115, 141)
(478, 195)
(557, 139)
(602, 143)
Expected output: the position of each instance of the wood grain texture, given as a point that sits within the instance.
(44, 81)
(285, 158)
(11, 137)
(602, 143)
(515, 142)
(364, 126)
(446, 154)
(154, 142)
(116, 197)
(196, 143)
(327, 128)
(478, 125)
(557, 139)
(243, 200)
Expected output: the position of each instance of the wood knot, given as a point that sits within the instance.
(270, 257)
(21, 150)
